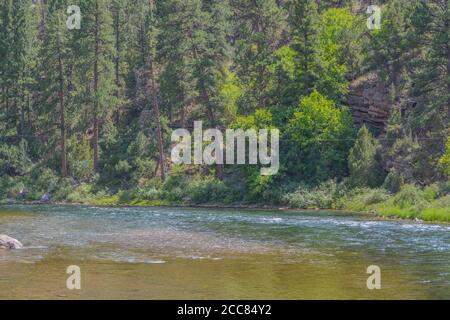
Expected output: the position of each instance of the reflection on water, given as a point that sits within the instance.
(158, 253)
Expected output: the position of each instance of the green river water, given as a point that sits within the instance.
(175, 253)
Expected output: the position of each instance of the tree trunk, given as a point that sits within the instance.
(158, 121)
(96, 106)
(209, 111)
(62, 110)
(117, 62)
(447, 28)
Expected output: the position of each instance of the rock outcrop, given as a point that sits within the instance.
(369, 102)
(9, 243)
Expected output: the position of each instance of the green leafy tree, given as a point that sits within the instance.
(318, 139)
(339, 51)
(445, 160)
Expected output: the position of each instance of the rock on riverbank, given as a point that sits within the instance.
(9, 243)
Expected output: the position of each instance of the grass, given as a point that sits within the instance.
(117, 200)
(436, 214)
(430, 214)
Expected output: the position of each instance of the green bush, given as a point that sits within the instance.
(431, 192)
(45, 180)
(363, 199)
(444, 162)
(175, 194)
(65, 188)
(80, 158)
(208, 190)
(82, 193)
(260, 188)
(14, 159)
(393, 182)
(321, 197)
(410, 196)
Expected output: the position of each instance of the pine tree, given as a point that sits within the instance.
(389, 47)
(53, 83)
(5, 54)
(304, 21)
(94, 44)
(152, 48)
(259, 32)
(17, 48)
(119, 16)
(431, 35)
(364, 162)
(179, 21)
(194, 39)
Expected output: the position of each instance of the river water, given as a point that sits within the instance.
(174, 253)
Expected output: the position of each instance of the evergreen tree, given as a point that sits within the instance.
(431, 28)
(304, 21)
(260, 32)
(180, 21)
(53, 84)
(364, 162)
(94, 45)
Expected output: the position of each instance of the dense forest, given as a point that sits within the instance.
(87, 111)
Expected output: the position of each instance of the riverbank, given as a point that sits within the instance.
(432, 214)
(430, 203)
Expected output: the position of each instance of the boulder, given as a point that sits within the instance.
(9, 243)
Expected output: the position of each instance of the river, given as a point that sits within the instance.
(186, 253)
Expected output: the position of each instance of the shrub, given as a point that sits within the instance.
(362, 199)
(410, 196)
(45, 180)
(81, 193)
(208, 190)
(14, 159)
(80, 158)
(393, 182)
(149, 194)
(260, 188)
(321, 197)
(175, 194)
(444, 162)
(431, 192)
(64, 190)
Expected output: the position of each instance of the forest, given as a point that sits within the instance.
(87, 111)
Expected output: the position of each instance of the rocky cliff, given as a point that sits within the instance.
(370, 102)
